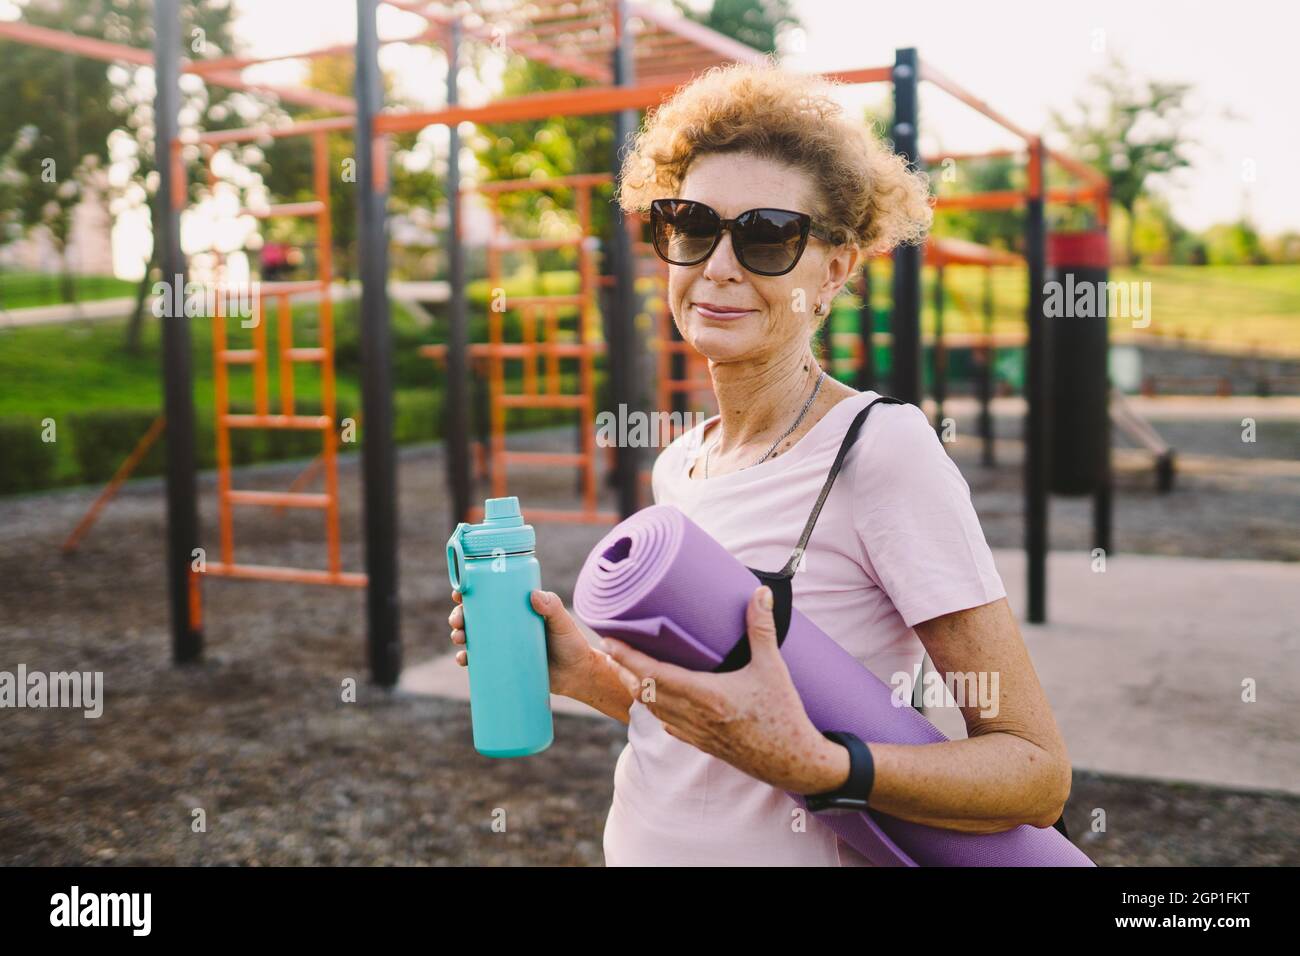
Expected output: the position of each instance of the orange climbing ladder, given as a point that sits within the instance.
(288, 357)
(544, 342)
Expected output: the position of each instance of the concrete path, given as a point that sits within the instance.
(1144, 665)
(1160, 408)
(408, 293)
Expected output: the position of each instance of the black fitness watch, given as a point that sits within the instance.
(852, 796)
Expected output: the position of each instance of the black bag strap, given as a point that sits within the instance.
(850, 437)
(779, 581)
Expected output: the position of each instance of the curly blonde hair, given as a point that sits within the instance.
(865, 194)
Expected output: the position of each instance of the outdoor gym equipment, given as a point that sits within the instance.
(646, 56)
(544, 338)
(285, 417)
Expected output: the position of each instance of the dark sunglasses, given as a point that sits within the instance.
(768, 242)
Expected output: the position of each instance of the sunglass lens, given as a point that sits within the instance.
(684, 232)
(770, 240)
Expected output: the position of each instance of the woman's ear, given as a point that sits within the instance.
(840, 266)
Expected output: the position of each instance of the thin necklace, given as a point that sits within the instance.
(803, 412)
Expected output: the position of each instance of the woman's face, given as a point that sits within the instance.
(778, 310)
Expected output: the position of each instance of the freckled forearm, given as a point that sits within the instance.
(984, 784)
(602, 689)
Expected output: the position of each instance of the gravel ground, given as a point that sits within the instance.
(285, 772)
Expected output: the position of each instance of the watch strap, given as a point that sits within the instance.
(856, 790)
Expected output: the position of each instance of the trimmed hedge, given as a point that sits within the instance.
(97, 441)
(102, 438)
(27, 463)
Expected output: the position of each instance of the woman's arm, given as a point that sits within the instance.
(601, 687)
(1012, 770)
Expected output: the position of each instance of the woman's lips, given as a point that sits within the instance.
(719, 312)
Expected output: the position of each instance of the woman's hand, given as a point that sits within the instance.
(569, 655)
(751, 718)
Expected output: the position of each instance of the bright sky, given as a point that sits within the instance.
(1021, 56)
(1026, 58)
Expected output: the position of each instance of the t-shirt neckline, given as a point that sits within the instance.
(764, 469)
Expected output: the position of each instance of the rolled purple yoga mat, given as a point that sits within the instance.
(660, 583)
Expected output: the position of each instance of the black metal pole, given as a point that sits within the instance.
(178, 386)
(677, 370)
(456, 419)
(940, 359)
(866, 333)
(1037, 389)
(1101, 502)
(378, 460)
(621, 327)
(985, 377)
(906, 324)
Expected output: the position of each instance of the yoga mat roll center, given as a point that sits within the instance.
(662, 584)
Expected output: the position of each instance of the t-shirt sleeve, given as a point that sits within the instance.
(921, 539)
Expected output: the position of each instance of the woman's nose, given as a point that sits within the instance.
(722, 263)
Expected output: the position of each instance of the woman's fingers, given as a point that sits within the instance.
(558, 621)
(457, 621)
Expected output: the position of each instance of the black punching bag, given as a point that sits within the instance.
(1076, 306)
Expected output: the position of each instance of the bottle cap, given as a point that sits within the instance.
(502, 532)
(498, 511)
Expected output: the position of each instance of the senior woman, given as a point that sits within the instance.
(764, 197)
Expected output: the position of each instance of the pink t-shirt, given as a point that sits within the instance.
(897, 543)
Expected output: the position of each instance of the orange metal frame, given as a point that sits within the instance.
(288, 356)
(542, 341)
(124, 470)
(567, 34)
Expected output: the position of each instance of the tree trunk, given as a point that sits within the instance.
(136, 323)
(67, 284)
(1130, 250)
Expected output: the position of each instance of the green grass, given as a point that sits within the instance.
(23, 290)
(1241, 306)
(55, 370)
(50, 370)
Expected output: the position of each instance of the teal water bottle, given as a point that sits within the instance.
(494, 567)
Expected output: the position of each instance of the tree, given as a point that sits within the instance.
(287, 168)
(61, 111)
(567, 145)
(1130, 130)
(1234, 244)
(755, 23)
(551, 147)
(65, 100)
(1002, 228)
